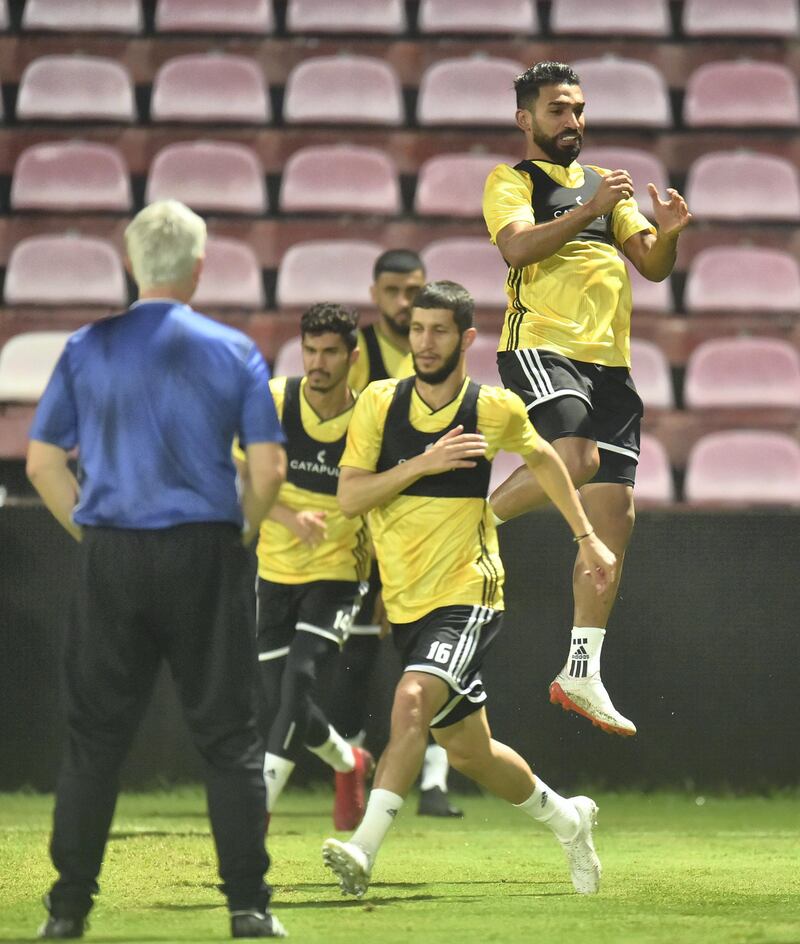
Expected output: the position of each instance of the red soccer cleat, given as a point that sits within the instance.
(351, 791)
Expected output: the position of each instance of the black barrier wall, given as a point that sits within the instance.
(702, 654)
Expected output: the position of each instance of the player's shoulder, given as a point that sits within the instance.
(380, 391)
(277, 387)
(505, 174)
(499, 399)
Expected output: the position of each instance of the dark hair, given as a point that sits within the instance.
(397, 260)
(328, 316)
(528, 84)
(449, 295)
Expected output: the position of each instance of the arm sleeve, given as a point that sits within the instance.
(507, 199)
(56, 419)
(365, 432)
(504, 422)
(259, 420)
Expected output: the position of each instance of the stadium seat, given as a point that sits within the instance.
(474, 90)
(471, 261)
(777, 18)
(289, 360)
(452, 184)
(503, 464)
(651, 374)
(647, 295)
(343, 89)
(213, 176)
(517, 17)
(211, 16)
(231, 276)
(743, 372)
(742, 93)
(71, 176)
(75, 88)
(26, 362)
(340, 178)
(15, 423)
(742, 279)
(643, 166)
(654, 482)
(741, 185)
(346, 16)
(210, 88)
(331, 270)
(624, 93)
(482, 360)
(610, 18)
(744, 466)
(3, 14)
(65, 270)
(110, 16)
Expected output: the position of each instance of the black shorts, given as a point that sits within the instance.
(574, 398)
(323, 607)
(450, 642)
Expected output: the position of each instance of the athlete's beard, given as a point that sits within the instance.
(442, 373)
(558, 153)
(397, 327)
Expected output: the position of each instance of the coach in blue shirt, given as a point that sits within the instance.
(152, 400)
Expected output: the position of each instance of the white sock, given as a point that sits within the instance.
(277, 771)
(584, 651)
(336, 752)
(382, 807)
(547, 806)
(357, 740)
(434, 768)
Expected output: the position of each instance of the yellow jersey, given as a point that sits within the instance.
(379, 359)
(436, 544)
(576, 302)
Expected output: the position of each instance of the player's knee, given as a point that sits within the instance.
(581, 459)
(408, 709)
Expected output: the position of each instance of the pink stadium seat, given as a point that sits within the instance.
(743, 372)
(503, 465)
(26, 362)
(452, 184)
(744, 466)
(65, 270)
(211, 16)
(231, 276)
(647, 295)
(747, 93)
(624, 93)
(474, 90)
(3, 14)
(346, 16)
(330, 270)
(482, 360)
(73, 176)
(471, 261)
(343, 90)
(212, 176)
(610, 17)
(210, 88)
(741, 185)
(742, 278)
(289, 360)
(643, 166)
(340, 178)
(110, 16)
(741, 18)
(518, 17)
(654, 482)
(651, 374)
(75, 88)
(15, 422)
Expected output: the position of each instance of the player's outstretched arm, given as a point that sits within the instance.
(599, 562)
(52, 478)
(654, 256)
(361, 490)
(265, 473)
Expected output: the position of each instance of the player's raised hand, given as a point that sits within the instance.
(599, 563)
(309, 526)
(615, 186)
(671, 215)
(455, 450)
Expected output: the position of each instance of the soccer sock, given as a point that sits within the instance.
(336, 752)
(547, 806)
(584, 651)
(277, 771)
(434, 768)
(382, 807)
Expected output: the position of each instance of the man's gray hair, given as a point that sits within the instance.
(163, 243)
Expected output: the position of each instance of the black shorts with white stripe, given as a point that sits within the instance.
(451, 642)
(566, 398)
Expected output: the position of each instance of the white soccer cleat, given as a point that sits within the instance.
(351, 865)
(588, 697)
(584, 866)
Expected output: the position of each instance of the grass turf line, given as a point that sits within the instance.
(724, 872)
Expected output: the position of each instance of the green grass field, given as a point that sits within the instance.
(675, 870)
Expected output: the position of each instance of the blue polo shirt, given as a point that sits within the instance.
(153, 399)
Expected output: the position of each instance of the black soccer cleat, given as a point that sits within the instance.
(434, 802)
(62, 928)
(256, 924)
